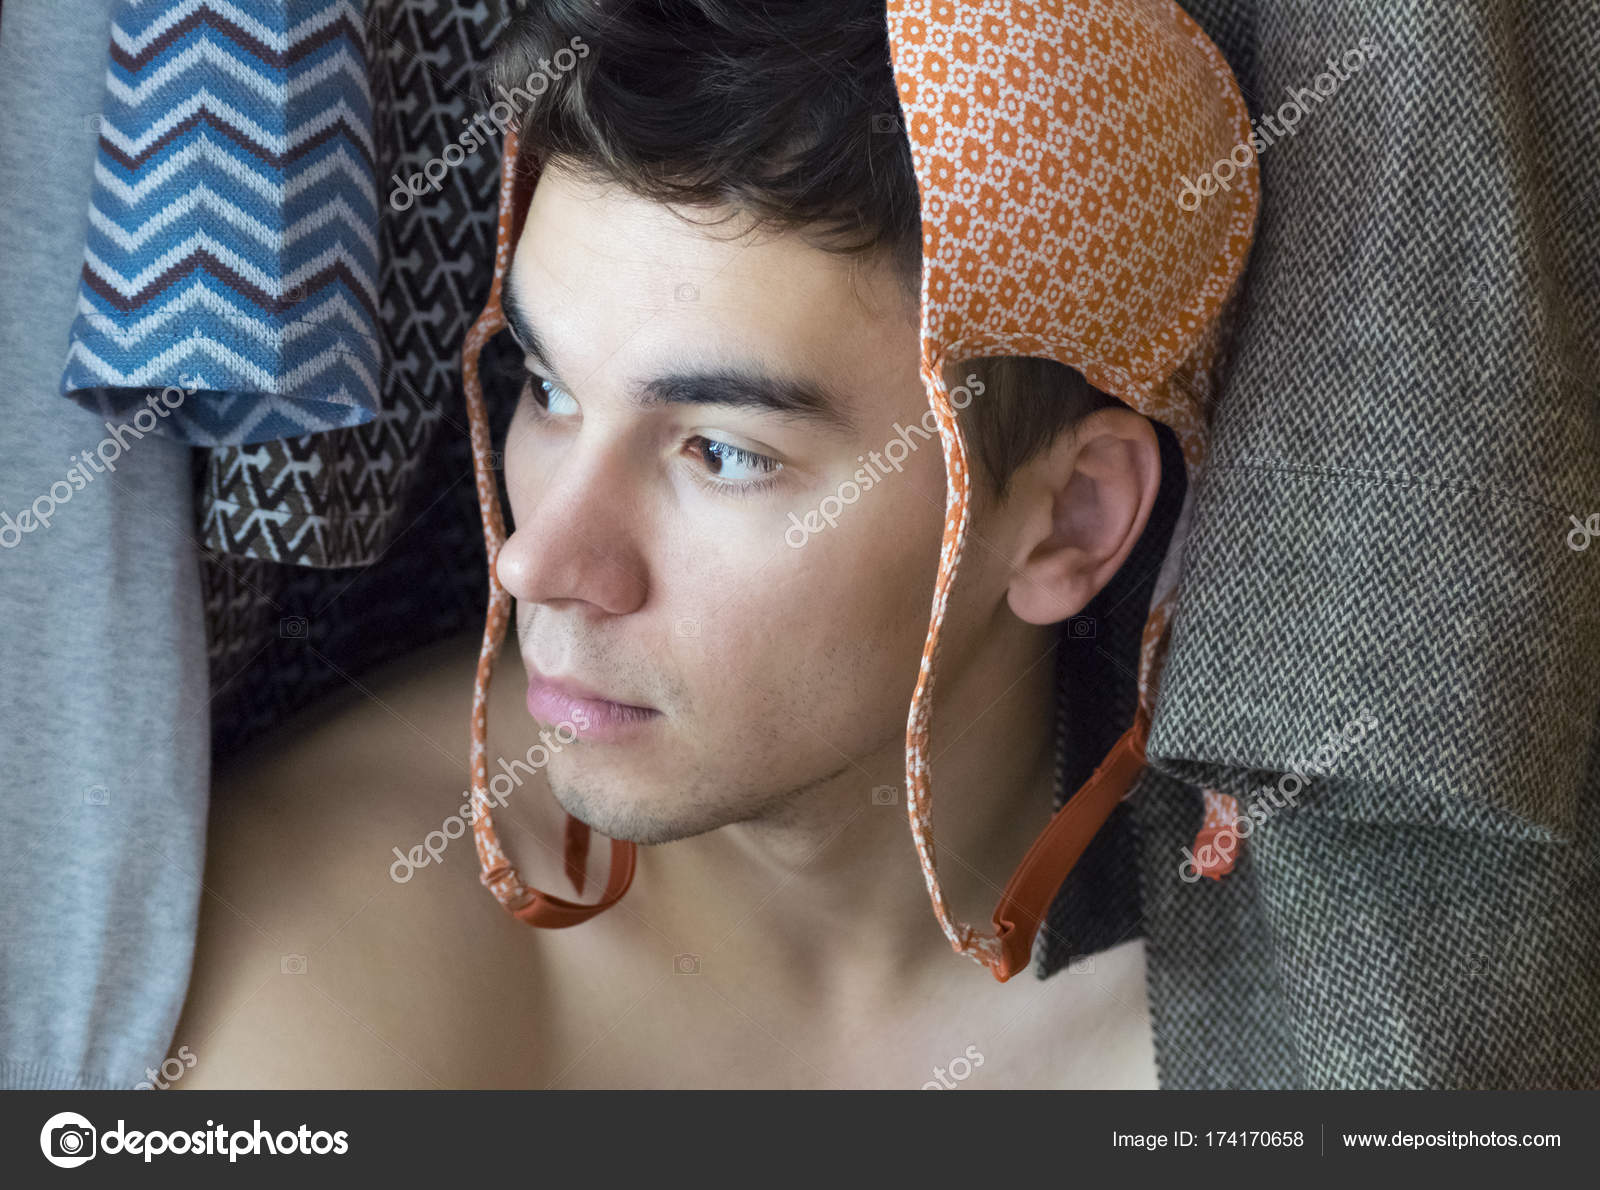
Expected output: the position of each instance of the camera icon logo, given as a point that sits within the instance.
(292, 964)
(885, 795)
(292, 628)
(885, 122)
(67, 1140)
(96, 795)
(1083, 628)
(686, 293)
(686, 964)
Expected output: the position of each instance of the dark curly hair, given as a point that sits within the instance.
(785, 111)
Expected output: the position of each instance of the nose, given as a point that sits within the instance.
(575, 541)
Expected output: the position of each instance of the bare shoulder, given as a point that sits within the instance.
(322, 960)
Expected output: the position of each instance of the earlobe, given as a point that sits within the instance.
(1091, 494)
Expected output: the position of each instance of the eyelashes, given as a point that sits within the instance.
(719, 466)
(723, 458)
(545, 394)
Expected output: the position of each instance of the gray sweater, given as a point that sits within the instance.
(104, 724)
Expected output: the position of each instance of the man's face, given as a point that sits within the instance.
(654, 559)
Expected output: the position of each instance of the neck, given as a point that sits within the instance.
(828, 896)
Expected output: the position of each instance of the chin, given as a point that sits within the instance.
(623, 814)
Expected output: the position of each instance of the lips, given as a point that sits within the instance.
(587, 712)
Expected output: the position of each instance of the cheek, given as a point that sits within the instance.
(829, 634)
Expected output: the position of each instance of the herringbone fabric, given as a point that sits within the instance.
(1412, 421)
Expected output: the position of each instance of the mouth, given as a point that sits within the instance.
(589, 714)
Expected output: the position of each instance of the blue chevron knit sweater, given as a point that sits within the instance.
(231, 253)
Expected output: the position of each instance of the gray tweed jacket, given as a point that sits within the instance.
(1405, 471)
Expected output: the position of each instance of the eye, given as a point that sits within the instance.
(553, 399)
(731, 466)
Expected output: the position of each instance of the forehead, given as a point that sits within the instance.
(617, 284)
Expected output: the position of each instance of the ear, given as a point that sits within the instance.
(1085, 501)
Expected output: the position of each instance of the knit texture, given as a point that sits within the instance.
(231, 254)
(1410, 426)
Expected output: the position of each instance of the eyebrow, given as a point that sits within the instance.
(729, 387)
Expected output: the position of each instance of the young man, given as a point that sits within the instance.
(730, 507)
